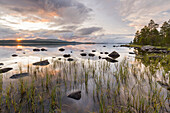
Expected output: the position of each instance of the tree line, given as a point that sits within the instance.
(153, 35)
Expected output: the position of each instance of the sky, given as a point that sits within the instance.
(79, 20)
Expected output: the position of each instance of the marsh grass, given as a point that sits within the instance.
(120, 87)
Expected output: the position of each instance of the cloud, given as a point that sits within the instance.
(139, 12)
(88, 31)
(57, 11)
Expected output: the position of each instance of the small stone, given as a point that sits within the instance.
(14, 55)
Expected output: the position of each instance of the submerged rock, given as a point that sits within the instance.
(42, 63)
(70, 59)
(19, 50)
(61, 49)
(16, 76)
(114, 55)
(81, 50)
(14, 55)
(75, 95)
(43, 49)
(36, 50)
(4, 70)
(91, 54)
(83, 54)
(66, 55)
(110, 60)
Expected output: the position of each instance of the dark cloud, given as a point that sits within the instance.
(64, 11)
(88, 31)
(6, 32)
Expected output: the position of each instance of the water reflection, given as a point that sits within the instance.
(102, 84)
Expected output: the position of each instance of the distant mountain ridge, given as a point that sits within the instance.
(39, 42)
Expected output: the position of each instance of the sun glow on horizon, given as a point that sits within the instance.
(19, 39)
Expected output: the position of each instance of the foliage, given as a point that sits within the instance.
(149, 35)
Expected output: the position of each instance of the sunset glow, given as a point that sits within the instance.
(18, 39)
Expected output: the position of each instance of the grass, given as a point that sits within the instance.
(120, 87)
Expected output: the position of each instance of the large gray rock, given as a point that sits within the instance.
(75, 95)
(16, 76)
(114, 55)
(42, 63)
(4, 70)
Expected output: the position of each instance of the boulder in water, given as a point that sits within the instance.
(66, 55)
(14, 55)
(42, 63)
(91, 54)
(43, 49)
(61, 49)
(106, 53)
(36, 50)
(93, 50)
(70, 59)
(75, 95)
(16, 76)
(1, 64)
(83, 54)
(114, 55)
(4, 70)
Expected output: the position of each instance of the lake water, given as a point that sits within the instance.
(87, 103)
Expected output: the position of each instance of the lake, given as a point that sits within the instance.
(104, 86)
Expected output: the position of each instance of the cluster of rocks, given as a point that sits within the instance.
(37, 50)
(151, 49)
